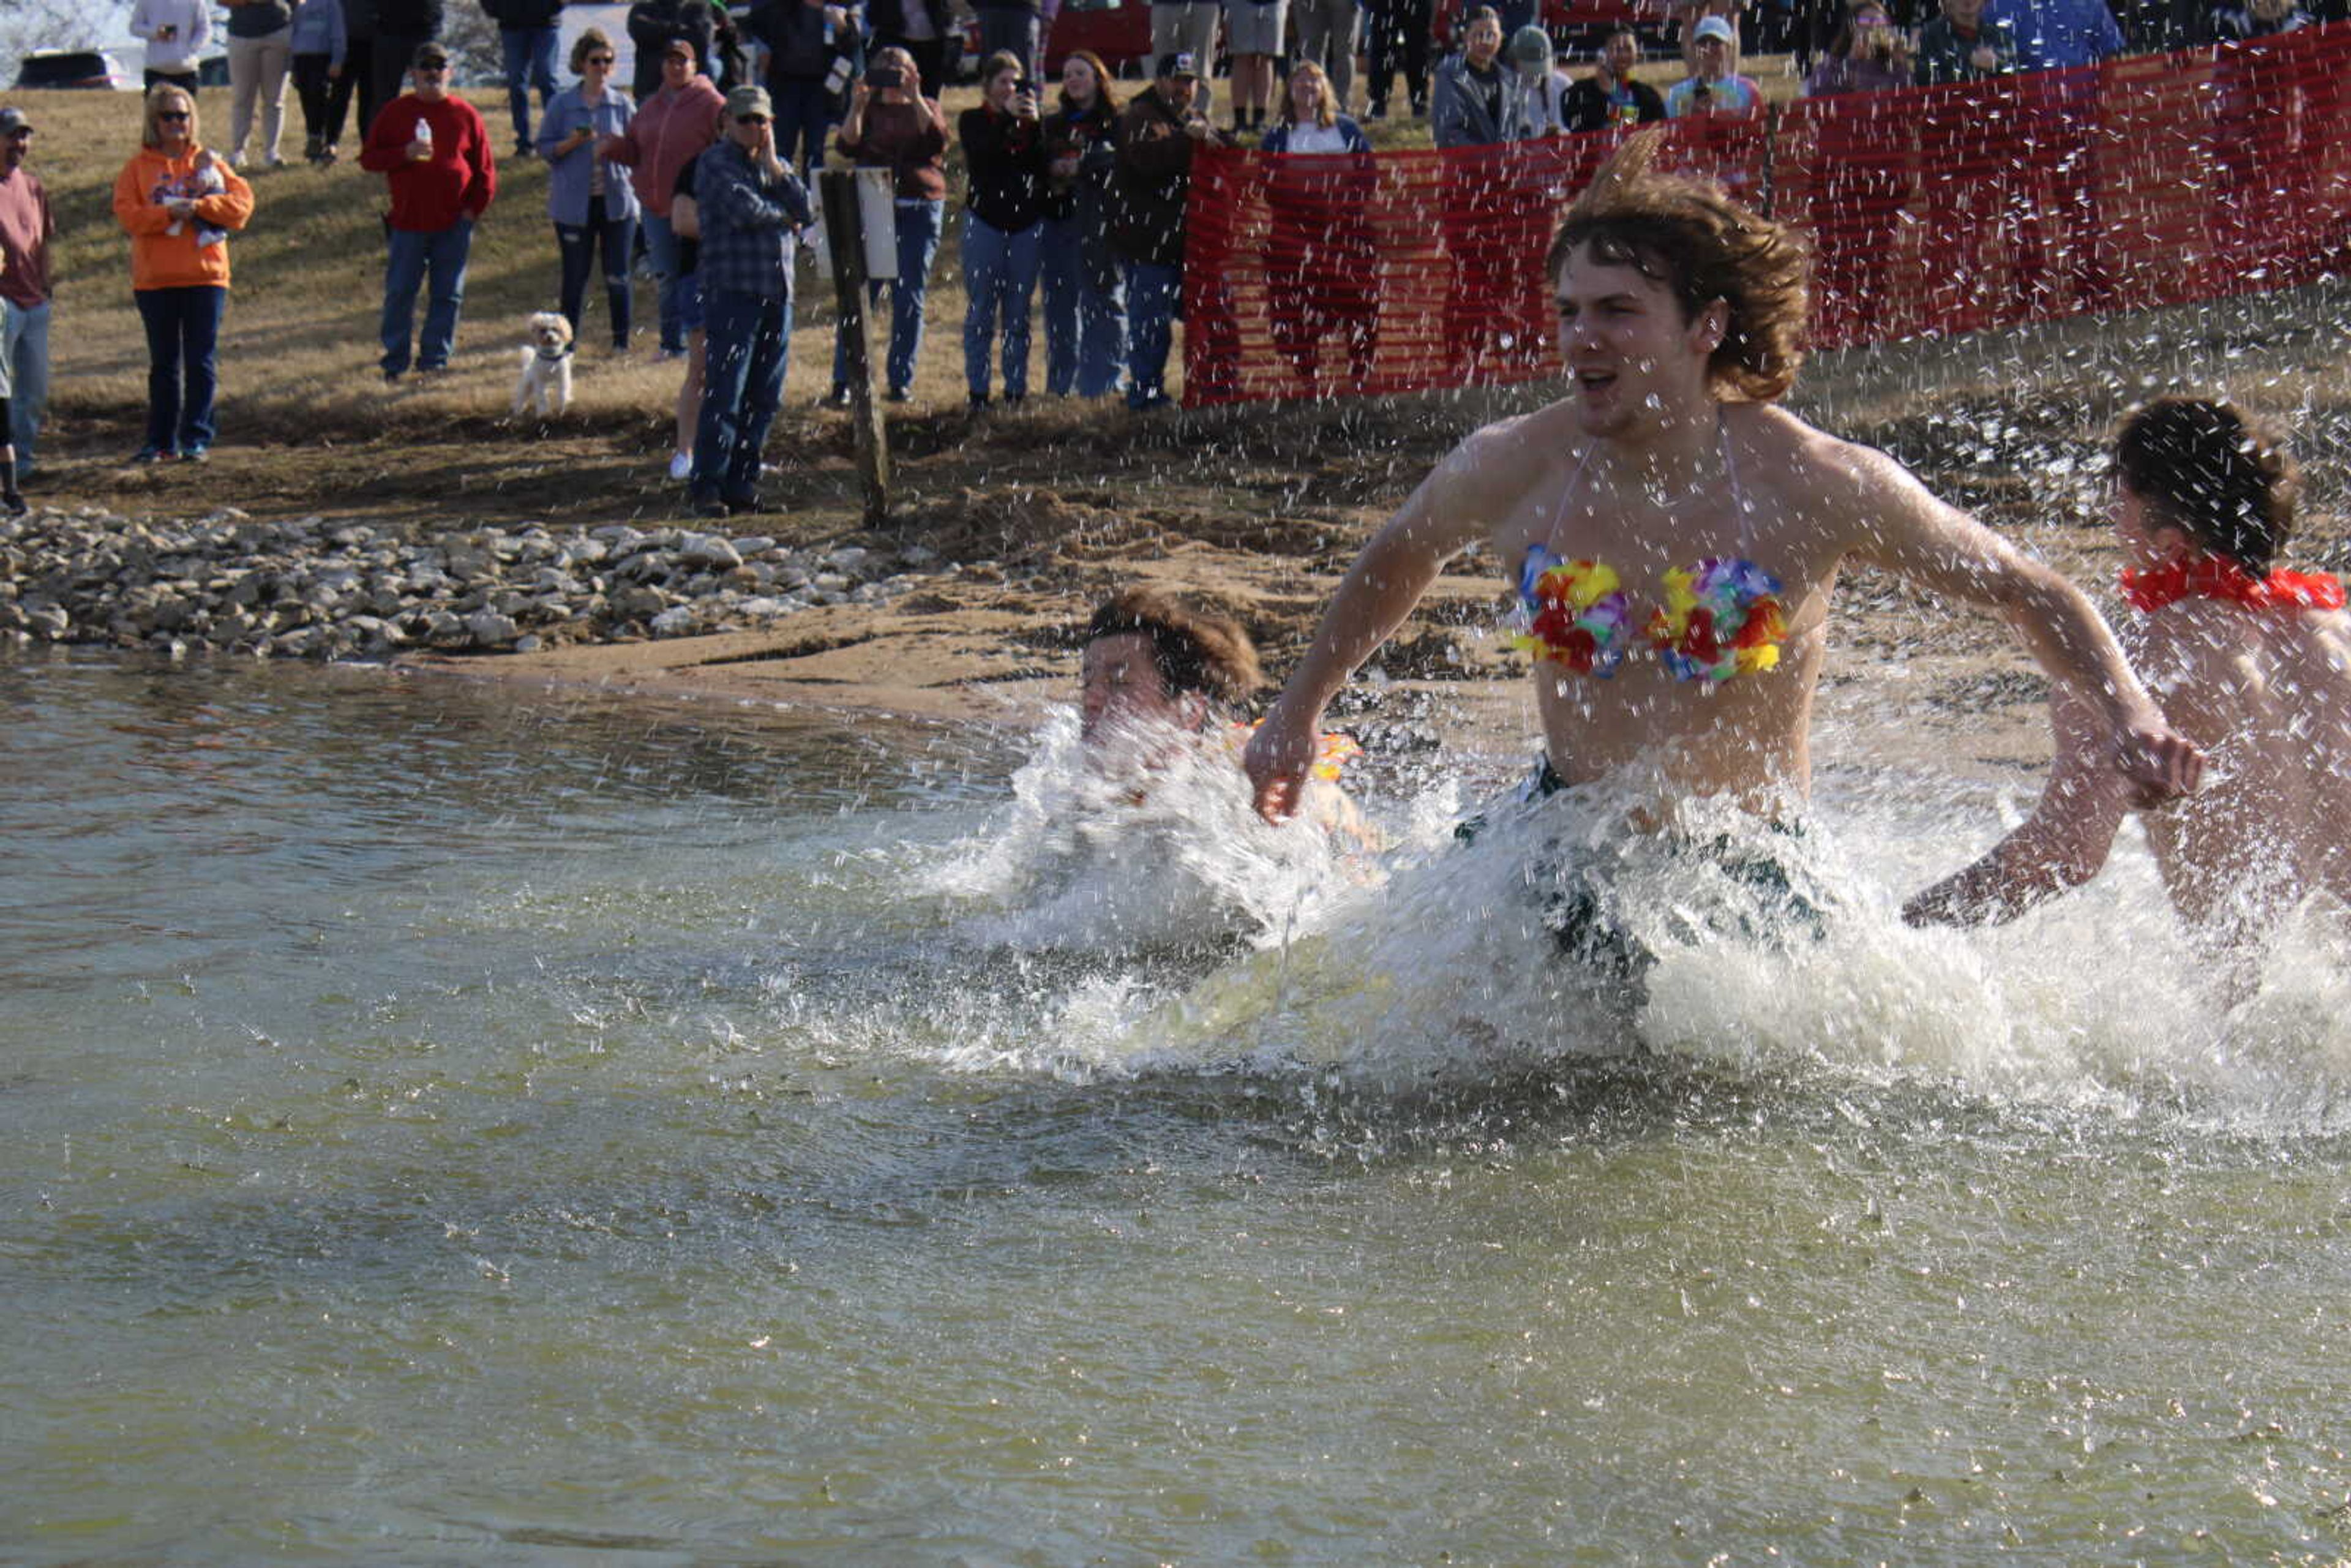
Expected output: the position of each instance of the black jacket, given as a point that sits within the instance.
(793, 31)
(513, 16)
(1152, 178)
(408, 19)
(1005, 159)
(886, 21)
(1587, 107)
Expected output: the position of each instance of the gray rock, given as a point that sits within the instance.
(708, 549)
(492, 630)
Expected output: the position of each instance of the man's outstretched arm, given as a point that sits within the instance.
(1449, 512)
(1911, 533)
(2060, 846)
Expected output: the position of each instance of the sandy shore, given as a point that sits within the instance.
(1906, 686)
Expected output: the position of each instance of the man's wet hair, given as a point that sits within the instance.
(1689, 235)
(1194, 651)
(2200, 465)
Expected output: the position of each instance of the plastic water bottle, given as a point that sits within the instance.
(425, 132)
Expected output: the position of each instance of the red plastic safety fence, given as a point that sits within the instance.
(2153, 181)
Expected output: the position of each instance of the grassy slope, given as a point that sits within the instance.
(308, 427)
(299, 342)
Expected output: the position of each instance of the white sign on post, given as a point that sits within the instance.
(877, 213)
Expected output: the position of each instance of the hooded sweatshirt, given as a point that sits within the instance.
(197, 255)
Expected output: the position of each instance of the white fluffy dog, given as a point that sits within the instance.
(545, 379)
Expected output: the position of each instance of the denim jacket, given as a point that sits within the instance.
(568, 177)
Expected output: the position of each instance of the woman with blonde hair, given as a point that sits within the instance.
(179, 204)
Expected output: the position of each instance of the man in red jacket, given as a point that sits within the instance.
(435, 152)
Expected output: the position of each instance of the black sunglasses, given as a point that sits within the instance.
(160, 114)
(750, 120)
(599, 60)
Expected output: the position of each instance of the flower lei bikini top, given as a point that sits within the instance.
(2217, 577)
(1721, 616)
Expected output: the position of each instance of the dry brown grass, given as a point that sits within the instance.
(308, 426)
(298, 347)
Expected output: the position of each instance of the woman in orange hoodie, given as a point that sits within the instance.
(179, 204)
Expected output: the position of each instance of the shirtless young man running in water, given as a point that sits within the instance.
(1676, 535)
(2254, 663)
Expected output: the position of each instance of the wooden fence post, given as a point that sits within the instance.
(844, 239)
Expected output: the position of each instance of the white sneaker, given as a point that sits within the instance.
(681, 464)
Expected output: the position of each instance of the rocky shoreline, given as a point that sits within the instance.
(314, 587)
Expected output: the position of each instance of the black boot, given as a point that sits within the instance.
(10, 501)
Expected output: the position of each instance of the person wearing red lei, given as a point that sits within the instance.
(2203, 504)
(2217, 577)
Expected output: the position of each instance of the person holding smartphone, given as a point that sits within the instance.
(891, 125)
(175, 32)
(588, 195)
(1003, 229)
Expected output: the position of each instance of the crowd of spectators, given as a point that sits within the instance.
(700, 171)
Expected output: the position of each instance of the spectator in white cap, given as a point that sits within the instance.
(1717, 88)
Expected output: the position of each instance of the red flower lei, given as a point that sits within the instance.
(2217, 577)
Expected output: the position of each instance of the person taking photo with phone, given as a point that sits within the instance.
(1003, 229)
(891, 125)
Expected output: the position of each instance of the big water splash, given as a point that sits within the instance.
(1175, 932)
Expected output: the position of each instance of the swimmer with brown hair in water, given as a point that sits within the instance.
(1674, 536)
(1149, 657)
(1154, 669)
(2252, 662)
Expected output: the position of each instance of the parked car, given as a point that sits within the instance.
(1117, 30)
(69, 69)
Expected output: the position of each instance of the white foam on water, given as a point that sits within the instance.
(1144, 844)
(1435, 962)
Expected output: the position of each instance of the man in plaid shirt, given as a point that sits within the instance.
(752, 208)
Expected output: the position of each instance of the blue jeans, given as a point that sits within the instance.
(918, 244)
(182, 332)
(529, 63)
(413, 253)
(24, 342)
(660, 244)
(1084, 330)
(999, 275)
(579, 243)
(749, 347)
(1153, 293)
(803, 117)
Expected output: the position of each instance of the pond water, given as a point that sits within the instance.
(444, 1124)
